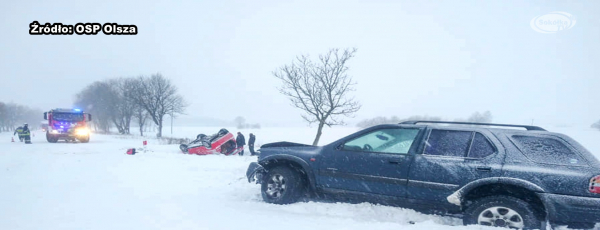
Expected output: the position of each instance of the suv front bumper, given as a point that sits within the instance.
(571, 209)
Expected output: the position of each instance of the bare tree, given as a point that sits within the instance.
(141, 116)
(139, 113)
(98, 99)
(321, 88)
(124, 105)
(158, 97)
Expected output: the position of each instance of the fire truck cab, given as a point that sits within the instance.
(68, 125)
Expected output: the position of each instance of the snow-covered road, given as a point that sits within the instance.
(97, 186)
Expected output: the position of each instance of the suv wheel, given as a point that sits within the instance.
(282, 185)
(502, 211)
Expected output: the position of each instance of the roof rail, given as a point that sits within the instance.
(528, 127)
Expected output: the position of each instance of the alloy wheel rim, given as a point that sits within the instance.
(276, 186)
(499, 216)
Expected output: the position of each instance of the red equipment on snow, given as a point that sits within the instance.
(221, 143)
(131, 152)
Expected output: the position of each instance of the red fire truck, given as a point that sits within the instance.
(68, 125)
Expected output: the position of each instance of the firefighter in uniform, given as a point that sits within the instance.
(19, 131)
(26, 134)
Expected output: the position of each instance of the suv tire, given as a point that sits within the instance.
(502, 211)
(282, 185)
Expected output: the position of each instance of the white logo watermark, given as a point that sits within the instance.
(552, 22)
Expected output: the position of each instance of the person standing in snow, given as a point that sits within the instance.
(251, 141)
(26, 134)
(19, 131)
(240, 140)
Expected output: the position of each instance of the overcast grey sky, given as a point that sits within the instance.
(444, 58)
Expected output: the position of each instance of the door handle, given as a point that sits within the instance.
(395, 162)
(484, 168)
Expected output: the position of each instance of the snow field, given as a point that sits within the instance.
(97, 186)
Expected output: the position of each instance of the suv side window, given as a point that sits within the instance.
(547, 150)
(448, 143)
(481, 147)
(396, 141)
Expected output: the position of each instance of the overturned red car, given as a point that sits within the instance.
(222, 142)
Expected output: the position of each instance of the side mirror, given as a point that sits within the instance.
(89, 117)
(46, 116)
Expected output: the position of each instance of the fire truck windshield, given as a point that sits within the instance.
(72, 117)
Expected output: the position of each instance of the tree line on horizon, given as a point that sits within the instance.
(596, 125)
(119, 102)
(485, 117)
(13, 115)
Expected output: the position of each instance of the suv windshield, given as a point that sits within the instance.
(68, 116)
(397, 141)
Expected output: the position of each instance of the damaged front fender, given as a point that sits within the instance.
(255, 172)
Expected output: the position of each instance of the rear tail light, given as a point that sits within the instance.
(595, 185)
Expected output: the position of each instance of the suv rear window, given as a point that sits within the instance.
(547, 150)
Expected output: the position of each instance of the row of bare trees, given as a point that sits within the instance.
(122, 101)
(13, 115)
(240, 123)
(485, 117)
(393, 120)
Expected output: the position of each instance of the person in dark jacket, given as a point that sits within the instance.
(19, 131)
(26, 134)
(251, 141)
(240, 140)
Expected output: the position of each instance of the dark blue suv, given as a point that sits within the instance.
(493, 176)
